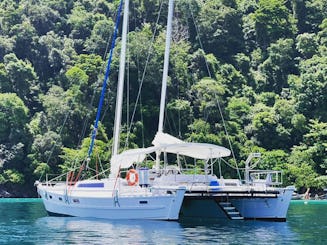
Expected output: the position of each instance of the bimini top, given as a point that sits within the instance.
(175, 146)
(168, 143)
(196, 150)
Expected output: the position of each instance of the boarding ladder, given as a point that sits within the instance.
(231, 211)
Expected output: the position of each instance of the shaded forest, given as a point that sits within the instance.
(256, 69)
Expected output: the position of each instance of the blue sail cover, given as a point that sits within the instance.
(104, 85)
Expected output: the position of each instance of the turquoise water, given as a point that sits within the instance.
(24, 221)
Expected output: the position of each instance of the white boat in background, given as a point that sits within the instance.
(113, 197)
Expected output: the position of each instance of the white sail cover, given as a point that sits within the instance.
(128, 157)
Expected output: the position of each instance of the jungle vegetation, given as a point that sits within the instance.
(262, 62)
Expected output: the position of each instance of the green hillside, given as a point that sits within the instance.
(256, 69)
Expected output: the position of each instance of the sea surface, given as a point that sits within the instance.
(24, 221)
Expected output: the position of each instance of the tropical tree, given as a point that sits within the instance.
(13, 138)
(220, 28)
(310, 88)
(273, 20)
(23, 78)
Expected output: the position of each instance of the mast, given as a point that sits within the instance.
(120, 87)
(165, 75)
(166, 64)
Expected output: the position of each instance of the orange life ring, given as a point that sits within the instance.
(132, 177)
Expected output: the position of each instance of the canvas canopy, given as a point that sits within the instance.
(169, 144)
(165, 139)
(197, 150)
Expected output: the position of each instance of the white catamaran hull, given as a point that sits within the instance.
(218, 206)
(209, 197)
(265, 208)
(101, 204)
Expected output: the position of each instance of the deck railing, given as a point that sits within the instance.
(267, 177)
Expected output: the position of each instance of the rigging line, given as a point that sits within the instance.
(179, 113)
(54, 145)
(169, 119)
(216, 97)
(59, 133)
(104, 86)
(90, 105)
(103, 58)
(231, 166)
(142, 120)
(139, 81)
(144, 71)
(200, 42)
(141, 112)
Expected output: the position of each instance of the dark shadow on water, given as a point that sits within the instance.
(225, 231)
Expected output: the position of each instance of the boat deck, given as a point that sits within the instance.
(233, 194)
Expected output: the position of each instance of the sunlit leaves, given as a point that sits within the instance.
(220, 28)
(13, 118)
(311, 87)
(273, 21)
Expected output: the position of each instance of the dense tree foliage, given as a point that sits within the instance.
(256, 69)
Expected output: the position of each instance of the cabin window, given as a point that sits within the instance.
(143, 202)
(230, 184)
(75, 201)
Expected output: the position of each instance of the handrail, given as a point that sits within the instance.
(59, 178)
(271, 177)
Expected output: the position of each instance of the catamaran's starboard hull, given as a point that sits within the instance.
(154, 207)
(202, 205)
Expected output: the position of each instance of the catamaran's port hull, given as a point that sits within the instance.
(250, 205)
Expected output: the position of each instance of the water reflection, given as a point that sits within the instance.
(54, 230)
(97, 231)
(239, 232)
(28, 223)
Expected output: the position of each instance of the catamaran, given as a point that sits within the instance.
(257, 196)
(146, 191)
(113, 197)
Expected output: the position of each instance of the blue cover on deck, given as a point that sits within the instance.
(214, 183)
(91, 185)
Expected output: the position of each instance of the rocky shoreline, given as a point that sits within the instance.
(17, 191)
